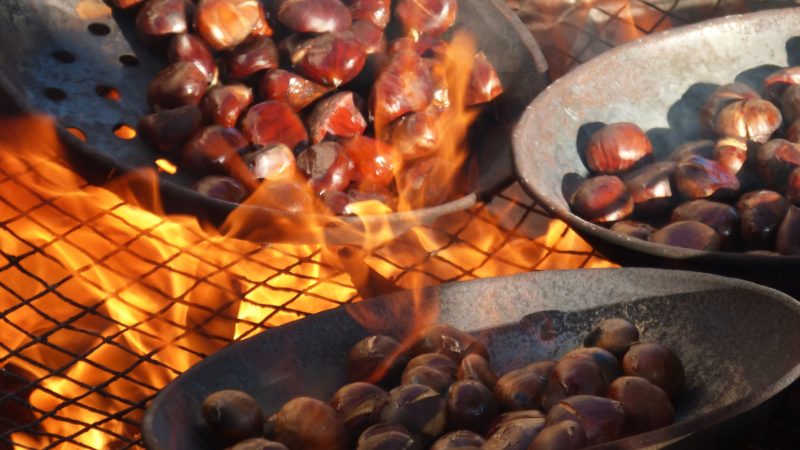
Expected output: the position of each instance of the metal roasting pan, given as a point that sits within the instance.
(734, 338)
(659, 82)
(35, 75)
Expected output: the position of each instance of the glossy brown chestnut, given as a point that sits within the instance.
(777, 83)
(449, 341)
(186, 47)
(370, 36)
(704, 148)
(255, 54)
(688, 234)
(723, 218)
(169, 129)
(178, 84)
(359, 406)
(374, 161)
(792, 133)
(647, 407)
(793, 187)
(224, 24)
(387, 437)
(514, 434)
(364, 191)
(634, 229)
(377, 359)
(565, 435)
(788, 240)
(404, 85)
(336, 116)
(522, 389)
(602, 199)
(731, 153)
(470, 406)
(291, 88)
(432, 17)
(436, 361)
(327, 166)
(697, 177)
(258, 444)
(330, 58)
(573, 376)
(305, 422)
(458, 440)
(608, 363)
(377, 12)
(476, 367)
(274, 122)
(159, 18)
(617, 147)
(514, 415)
(420, 409)
(651, 187)
(232, 416)
(790, 103)
(427, 376)
(215, 149)
(752, 120)
(613, 335)
(762, 213)
(314, 16)
(602, 419)
(415, 135)
(222, 188)
(284, 195)
(441, 84)
(656, 364)
(223, 104)
(271, 163)
(776, 160)
(413, 182)
(722, 97)
(484, 83)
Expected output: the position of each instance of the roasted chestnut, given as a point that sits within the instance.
(476, 367)
(790, 103)
(232, 416)
(314, 16)
(788, 240)
(776, 160)
(403, 85)
(522, 389)
(330, 58)
(616, 148)
(432, 17)
(723, 218)
(722, 97)
(125, 4)
(647, 407)
(359, 406)
(608, 363)
(414, 186)
(375, 11)
(564, 435)
(159, 18)
(291, 88)
(429, 376)
(378, 359)
(777, 83)
(651, 187)
(514, 434)
(222, 105)
(371, 37)
(704, 148)
(415, 135)
(274, 122)
(792, 133)
(258, 444)
(327, 166)
(573, 376)
(221, 188)
(224, 24)
(613, 335)
(514, 415)
(635, 229)
(284, 195)
(752, 120)
(255, 54)
(374, 161)
(458, 440)
(762, 213)
(436, 361)
(731, 153)
(186, 47)
(271, 163)
(793, 187)
(336, 116)
(418, 408)
(179, 84)
(656, 364)
(169, 129)
(305, 422)
(484, 84)
(470, 406)
(216, 149)
(449, 341)
(602, 199)
(688, 234)
(602, 419)
(698, 177)
(387, 437)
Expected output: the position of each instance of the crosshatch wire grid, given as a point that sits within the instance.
(102, 303)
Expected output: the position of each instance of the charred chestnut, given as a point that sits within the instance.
(602, 199)
(314, 16)
(722, 97)
(651, 186)
(613, 335)
(378, 359)
(635, 229)
(776, 160)
(232, 416)
(647, 407)
(688, 234)
(458, 440)
(169, 129)
(222, 105)
(723, 218)
(470, 406)
(258, 444)
(602, 419)
(336, 116)
(305, 422)
(359, 406)
(752, 120)
(449, 341)
(476, 367)
(697, 177)
(762, 213)
(514, 434)
(616, 148)
(274, 122)
(522, 389)
(291, 88)
(656, 364)
(418, 408)
(564, 435)
(179, 84)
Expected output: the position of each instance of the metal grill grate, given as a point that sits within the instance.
(95, 322)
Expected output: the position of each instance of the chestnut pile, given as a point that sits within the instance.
(449, 398)
(272, 97)
(740, 192)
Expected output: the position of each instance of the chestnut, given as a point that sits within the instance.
(651, 186)
(370, 36)
(762, 213)
(723, 218)
(284, 195)
(159, 18)
(314, 16)
(221, 188)
(616, 148)
(722, 97)
(777, 83)
(792, 133)
(337, 203)
(330, 58)
(752, 120)
(374, 161)
(429, 376)
(224, 24)
(255, 54)
(449, 341)
(271, 163)
(215, 149)
(378, 359)
(613, 335)
(327, 166)
(366, 191)
(441, 84)
(414, 186)
(435, 361)
(359, 406)
(169, 129)
(258, 444)
(476, 367)
(274, 122)
(776, 160)
(404, 85)
(788, 240)
(387, 437)
(305, 422)
(433, 17)
(484, 84)
(186, 47)
(608, 363)
(522, 389)
(688, 234)
(222, 105)
(656, 364)
(514, 434)
(178, 84)
(704, 148)
(602, 199)
(573, 376)
(458, 440)
(731, 153)
(698, 177)
(376, 12)
(125, 4)
(634, 229)
(294, 90)
(470, 406)
(418, 408)
(415, 135)
(647, 407)
(793, 187)
(564, 435)
(790, 103)
(602, 419)
(232, 416)
(336, 116)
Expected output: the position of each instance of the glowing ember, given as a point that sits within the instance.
(164, 165)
